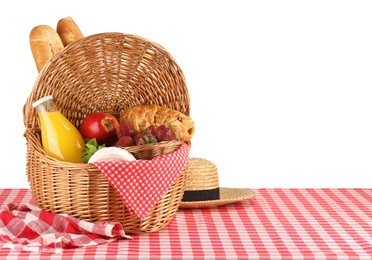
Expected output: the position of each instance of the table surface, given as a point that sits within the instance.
(277, 223)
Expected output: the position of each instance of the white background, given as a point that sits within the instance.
(281, 91)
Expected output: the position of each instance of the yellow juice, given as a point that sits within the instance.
(60, 138)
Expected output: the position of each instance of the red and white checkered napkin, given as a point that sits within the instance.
(142, 183)
(26, 227)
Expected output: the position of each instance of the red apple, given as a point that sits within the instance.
(101, 126)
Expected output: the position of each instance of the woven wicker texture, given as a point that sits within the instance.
(201, 174)
(149, 151)
(104, 72)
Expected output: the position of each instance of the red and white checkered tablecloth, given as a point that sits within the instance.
(278, 223)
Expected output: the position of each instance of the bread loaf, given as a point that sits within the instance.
(140, 117)
(45, 43)
(68, 31)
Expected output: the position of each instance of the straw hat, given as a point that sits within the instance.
(202, 188)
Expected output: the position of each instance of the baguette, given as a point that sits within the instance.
(45, 43)
(68, 31)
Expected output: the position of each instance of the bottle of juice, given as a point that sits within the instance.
(60, 138)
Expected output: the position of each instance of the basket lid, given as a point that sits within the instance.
(109, 72)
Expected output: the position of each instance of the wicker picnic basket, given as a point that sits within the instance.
(103, 72)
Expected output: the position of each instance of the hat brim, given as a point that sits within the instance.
(227, 196)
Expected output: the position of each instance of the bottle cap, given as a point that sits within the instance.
(41, 100)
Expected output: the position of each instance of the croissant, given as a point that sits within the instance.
(140, 117)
